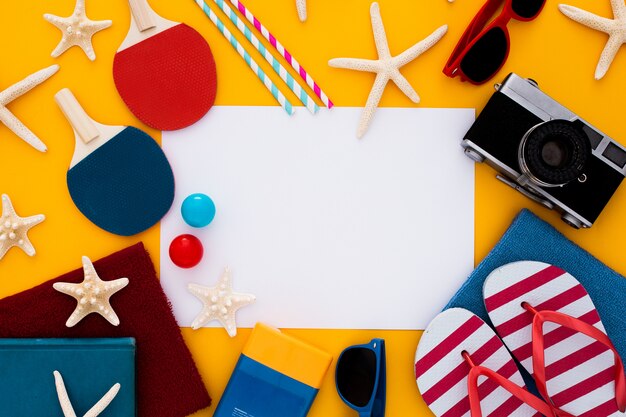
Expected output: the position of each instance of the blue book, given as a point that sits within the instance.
(89, 368)
(276, 376)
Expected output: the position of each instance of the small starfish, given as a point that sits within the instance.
(77, 30)
(386, 67)
(220, 303)
(615, 28)
(301, 5)
(92, 295)
(17, 90)
(14, 229)
(66, 404)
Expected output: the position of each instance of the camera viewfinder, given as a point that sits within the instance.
(594, 137)
(615, 154)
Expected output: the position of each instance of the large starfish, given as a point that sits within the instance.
(220, 303)
(14, 229)
(301, 6)
(615, 28)
(92, 295)
(66, 404)
(386, 67)
(77, 30)
(15, 91)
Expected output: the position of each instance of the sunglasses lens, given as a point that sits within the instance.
(356, 375)
(486, 56)
(527, 8)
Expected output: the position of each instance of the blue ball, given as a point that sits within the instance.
(198, 210)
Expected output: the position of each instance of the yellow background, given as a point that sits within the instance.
(558, 53)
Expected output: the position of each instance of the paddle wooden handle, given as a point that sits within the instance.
(143, 14)
(74, 113)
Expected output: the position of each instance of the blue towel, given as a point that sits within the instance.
(530, 238)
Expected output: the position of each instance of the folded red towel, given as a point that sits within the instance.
(168, 382)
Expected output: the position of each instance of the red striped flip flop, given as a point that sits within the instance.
(548, 321)
(460, 361)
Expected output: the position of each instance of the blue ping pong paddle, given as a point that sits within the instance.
(119, 177)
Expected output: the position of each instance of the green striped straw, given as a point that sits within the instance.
(282, 100)
(284, 75)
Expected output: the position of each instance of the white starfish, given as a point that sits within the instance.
(15, 91)
(220, 303)
(615, 28)
(14, 229)
(66, 404)
(301, 5)
(386, 67)
(92, 295)
(77, 30)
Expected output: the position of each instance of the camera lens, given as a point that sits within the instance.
(554, 153)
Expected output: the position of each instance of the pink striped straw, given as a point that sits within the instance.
(283, 52)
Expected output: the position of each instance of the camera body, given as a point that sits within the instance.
(546, 152)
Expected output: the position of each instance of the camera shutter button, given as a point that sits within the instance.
(532, 82)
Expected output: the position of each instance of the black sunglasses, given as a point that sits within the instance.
(361, 378)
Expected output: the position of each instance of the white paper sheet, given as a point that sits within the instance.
(328, 231)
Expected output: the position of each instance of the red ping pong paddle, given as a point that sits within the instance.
(164, 71)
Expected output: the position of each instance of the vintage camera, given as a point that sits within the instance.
(546, 152)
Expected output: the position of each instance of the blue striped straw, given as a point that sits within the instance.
(284, 75)
(282, 100)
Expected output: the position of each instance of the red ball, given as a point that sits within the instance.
(186, 251)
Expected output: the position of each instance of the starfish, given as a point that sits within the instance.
(66, 404)
(220, 303)
(386, 67)
(301, 5)
(92, 295)
(615, 28)
(77, 30)
(17, 90)
(14, 229)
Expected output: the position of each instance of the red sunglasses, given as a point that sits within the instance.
(482, 51)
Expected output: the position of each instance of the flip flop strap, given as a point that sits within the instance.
(539, 365)
(519, 392)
